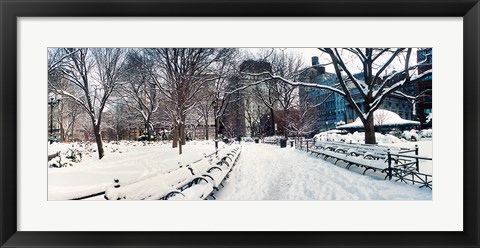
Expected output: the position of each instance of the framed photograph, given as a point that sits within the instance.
(239, 124)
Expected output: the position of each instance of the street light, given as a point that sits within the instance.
(53, 100)
(269, 125)
(215, 106)
(326, 126)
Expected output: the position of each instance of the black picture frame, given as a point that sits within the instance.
(10, 10)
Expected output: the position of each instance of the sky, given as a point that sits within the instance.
(353, 64)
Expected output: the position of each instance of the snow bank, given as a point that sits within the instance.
(411, 135)
(381, 117)
(426, 133)
(68, 154)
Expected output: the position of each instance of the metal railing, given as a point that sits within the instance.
(406, 169)
(401, 165)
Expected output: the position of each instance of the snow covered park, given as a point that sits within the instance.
(138, 124)
(262, 172)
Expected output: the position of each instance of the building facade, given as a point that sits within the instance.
(423, 88)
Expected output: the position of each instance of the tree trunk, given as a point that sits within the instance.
(206, 128)
(98, 139)
(175, 137)
(285, 116)
(183, 135)
(369, 130)
(180, 138)
(194, 133)
(272, 122)
(73, 129)
(149, 130)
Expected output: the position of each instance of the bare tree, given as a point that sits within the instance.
(381, 117)
(376, 84)
(140, 92)
(117, 119)
(287, 66)
(204, 109)
(68, 113)
(96, 73)
(180, 74)
(303, 118)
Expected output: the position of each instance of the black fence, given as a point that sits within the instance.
(401, 164)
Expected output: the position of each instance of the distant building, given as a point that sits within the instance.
(235, 120)
(333, 108)
(423, 89)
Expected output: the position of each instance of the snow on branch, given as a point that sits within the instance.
(56, 64)
(402, 94)
(337, 59)
(77, 100)
(376, 103)
(390, 60)
(270, 77)
(393, 75)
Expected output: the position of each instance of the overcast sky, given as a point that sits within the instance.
(351, 61)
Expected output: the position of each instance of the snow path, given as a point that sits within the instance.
(267, 172)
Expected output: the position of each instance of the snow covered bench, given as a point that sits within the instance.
(152, 188)
(209, 174)
(365, 150)
(359, 161)
(213, 177)
(270, 141)
(197, 180)
(368, 157)
(389, 160)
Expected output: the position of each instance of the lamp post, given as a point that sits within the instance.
(215, 106)
(326, 126)
(53, 100)
(269, 126)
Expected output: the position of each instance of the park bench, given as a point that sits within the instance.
(209, 175)
(393, 161)
(212, 177)
(270, 141)
(360, 162)
(189, 182)
(367, 151)
(153, 187)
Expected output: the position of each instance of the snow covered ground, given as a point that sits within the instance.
(263, 172)
(267, 172)
(137, 160)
